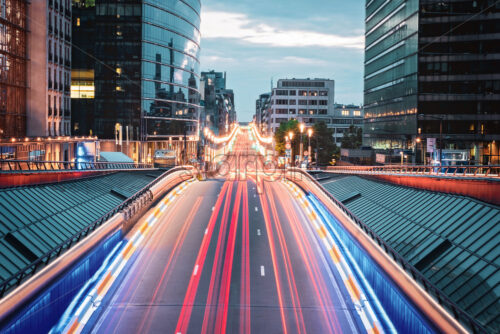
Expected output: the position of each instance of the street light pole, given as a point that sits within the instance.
(290, 134)
(302, 126)
(309, 134)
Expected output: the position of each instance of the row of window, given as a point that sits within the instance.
(59, 79)
(58, 128)
(59, 53)
(302, 84)
(302, 102)
(58, 106)
(281, 92)
(461, 87)
(461, 67)
(302, 111)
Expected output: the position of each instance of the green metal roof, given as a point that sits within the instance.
(453, 240)
(35, 219)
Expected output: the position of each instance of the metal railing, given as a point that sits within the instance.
(428, 286)
(33, 166)
(132, 205)
(490, 171)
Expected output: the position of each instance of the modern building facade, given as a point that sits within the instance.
(307, 100)
(344, 116)
(13, 68)
(144, 72)
(431, 74)
(35, 46)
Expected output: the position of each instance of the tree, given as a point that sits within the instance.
(283, 131)
(353, 138)
(322, 140)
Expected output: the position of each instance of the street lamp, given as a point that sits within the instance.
(302, 127)
(309, 134)
(290, 134)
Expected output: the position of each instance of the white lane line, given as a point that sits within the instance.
(213, 208)
(258, 231)
(206, 230)
(256, 209)
(262, 271)
(195, 270)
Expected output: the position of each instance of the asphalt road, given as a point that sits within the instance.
(232, 254)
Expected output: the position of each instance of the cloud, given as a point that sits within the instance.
(216, 59)
(288, 60)
(219, 24)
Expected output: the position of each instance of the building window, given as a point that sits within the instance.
(302, 102)
(313, 102)
(302, 112)
(345, 112)
(322, 112)
(312, 112)
(323, 93)
(357, 113)
(292, 102)
(313, 93)
(323, 102)
(302, 92)
(293, 92)
(77, 21)
(292, 111)
(282, 111)
(281, 92)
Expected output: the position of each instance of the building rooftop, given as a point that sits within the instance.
(452, 240)
(36, 219)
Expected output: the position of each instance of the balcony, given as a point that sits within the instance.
(61, 61)
(50, 29)
(67, 63)
(50, 84)
(50, 111)
(50, 56)
(56, 31)
(56, 59)
(55, 85)
(61, 34)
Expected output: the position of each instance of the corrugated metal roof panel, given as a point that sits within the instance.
(35, 219)
(453, 240)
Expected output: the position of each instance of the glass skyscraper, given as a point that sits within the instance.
(432, 76)
(145, 58)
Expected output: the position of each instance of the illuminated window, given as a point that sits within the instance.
(345, 112)
(118, 88)
(357, 113)
(77, 21)
(118, 70)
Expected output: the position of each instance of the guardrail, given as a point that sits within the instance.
(492, 171)
(428, 286)
(28, 165)
(129, 207)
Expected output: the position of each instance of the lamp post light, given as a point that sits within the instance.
(309, 134)
(290, 134)
(302, 127)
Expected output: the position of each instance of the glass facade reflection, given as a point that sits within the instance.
(12, 68)
(430, 73)
(147, 76)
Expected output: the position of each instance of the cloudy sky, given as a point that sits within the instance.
(255, 41)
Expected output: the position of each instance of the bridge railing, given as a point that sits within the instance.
(490, 171)
(31, 166)
(128, 208)
(428, 286)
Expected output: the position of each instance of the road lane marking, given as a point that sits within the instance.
(258, 231)
(206, 230)
(213, 208)
(256, 209)
(195, 270)
(262, 271)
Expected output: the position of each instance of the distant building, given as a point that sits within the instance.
(262, 111)
(307, 100)
(431, 72)
(35, 68)
(219, 109)
(345, 116)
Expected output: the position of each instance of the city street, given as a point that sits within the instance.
(230, 256)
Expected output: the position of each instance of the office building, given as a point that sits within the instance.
(345, 115)
(431, 76)
(307, 100)
(144, 71)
